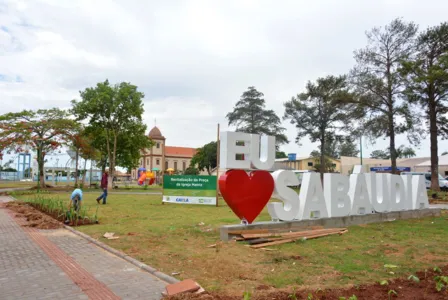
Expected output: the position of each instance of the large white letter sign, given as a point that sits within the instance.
(229, 150)
(262, 155)
(419, 194)
(379, 191)
(407, 180)
(359, 194)
(336, 195)
(312, 201)
(397, 193)
(289, 210)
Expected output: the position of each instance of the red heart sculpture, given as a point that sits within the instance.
(245, 194)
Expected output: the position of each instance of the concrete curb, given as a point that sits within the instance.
(139, 264)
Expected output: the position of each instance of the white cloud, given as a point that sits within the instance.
(192, 59)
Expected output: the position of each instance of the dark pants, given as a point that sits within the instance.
(103, 196)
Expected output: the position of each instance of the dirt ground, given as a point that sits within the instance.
(423, 288)
(34, 217)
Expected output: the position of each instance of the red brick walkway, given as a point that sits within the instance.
(88, 284)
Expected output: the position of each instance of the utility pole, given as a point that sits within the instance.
(360, 148)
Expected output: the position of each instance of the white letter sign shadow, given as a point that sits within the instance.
(336, 195)
(397, 193)
(312, 201)
(290, 207)
(407, 180)
(359, 194)
(379, 191)
(419, 194)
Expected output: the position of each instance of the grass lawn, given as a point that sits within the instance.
(169, 237)
(16, 184)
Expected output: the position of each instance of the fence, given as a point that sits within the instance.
(10, 176)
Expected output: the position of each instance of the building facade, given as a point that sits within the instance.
(162, 157)
(307, 163)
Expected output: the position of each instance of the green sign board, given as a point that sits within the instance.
(189, 189)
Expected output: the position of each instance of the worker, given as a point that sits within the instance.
(104, 183)
(75, 202)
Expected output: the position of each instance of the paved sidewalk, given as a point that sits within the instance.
(57, 264)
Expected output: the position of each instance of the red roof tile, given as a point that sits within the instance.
(179, 151)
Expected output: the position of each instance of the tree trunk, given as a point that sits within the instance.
(322, 158)
(40, 163)
(76, 167)
(85, 172)
(393, 152)
(434, 147)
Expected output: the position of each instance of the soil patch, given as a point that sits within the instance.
(404, 288)
(34, 217)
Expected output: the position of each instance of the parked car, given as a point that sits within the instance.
(443, 182)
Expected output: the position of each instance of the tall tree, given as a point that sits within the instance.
(205, 158)
(380, 86)
(115, 113)
(407, 152)
(347, 148)
(319, 112)
(43, 130)
(427, 84)
(250, 115)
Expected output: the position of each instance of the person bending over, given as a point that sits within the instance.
(75, 202)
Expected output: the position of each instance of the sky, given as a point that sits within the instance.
(193, 58)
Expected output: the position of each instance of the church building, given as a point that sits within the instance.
(162, 157)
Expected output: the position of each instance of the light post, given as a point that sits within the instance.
(360, 148)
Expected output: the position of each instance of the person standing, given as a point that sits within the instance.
(104, 183)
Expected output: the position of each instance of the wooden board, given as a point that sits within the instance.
(283, 241)
(290, 234)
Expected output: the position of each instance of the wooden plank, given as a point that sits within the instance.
(239, 232)
(283, 241)
(289, 234)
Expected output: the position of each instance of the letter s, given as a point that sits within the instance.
(290, 207)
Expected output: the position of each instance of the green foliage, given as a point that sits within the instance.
(247, 295)
(379, 86)
(401, 152)
(58, 208)
(426, 76)
(320, 111)
(43, 130)
(250, 115)
(191, 171)
(441, 282)
(437, 269)
(280, 154)
(392, 292)
(414, 278)
(205, 158)
(114, 115)
(384, 282)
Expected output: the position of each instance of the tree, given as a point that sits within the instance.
(43, 130)
(250, 115)
(320, 113)
(205, 158)
(328, 165)
(380, 87)
(114, 114)
(348, 148)
(407, 152)
(427, 84)
(444, 152)
(280, 154)
(379, 154)
(191, 171)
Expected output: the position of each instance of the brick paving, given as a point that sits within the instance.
(57, 264)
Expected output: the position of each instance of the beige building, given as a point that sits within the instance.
(162, 157)
(414, 163)
(307, 163)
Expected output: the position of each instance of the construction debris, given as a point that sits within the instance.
(110, 236)
(261, 238)
(185, 286)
